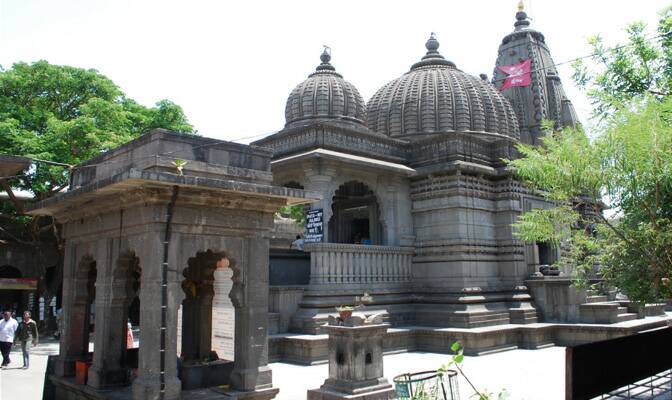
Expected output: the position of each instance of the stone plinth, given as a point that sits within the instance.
(557, 298)
(355, 360)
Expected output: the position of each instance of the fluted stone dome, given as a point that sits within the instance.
(436, 97)
(325, 94)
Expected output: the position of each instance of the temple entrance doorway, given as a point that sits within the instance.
(545, 253)
(355, 218)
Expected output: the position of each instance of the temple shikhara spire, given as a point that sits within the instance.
(537, 93)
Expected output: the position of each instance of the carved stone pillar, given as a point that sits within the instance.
(147, 385)
(111, 314)
(109, 361)
(74, 340)
(249, 296)
(319, 179)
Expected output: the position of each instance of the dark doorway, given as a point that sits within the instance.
(546, 256)
(355, 215)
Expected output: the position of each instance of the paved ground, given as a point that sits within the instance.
(525, 374)
(20, 384)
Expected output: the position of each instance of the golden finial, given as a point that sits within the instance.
(521, 5)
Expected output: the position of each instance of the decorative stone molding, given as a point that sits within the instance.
(332, 136)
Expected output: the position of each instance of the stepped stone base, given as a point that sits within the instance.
(384, 392)
(312, 349)
(460, 310)
(609, 312)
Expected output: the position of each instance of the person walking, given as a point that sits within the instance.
(25, 333)
(8, 327)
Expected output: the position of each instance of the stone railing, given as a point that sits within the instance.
(333, 263)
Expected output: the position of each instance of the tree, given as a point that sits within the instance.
(626, 168)
(65, 115)
(613, 77)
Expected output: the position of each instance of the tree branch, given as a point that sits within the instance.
(16, 239)
(18, 204)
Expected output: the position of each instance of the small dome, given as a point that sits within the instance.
(325, 94)
(436, 97)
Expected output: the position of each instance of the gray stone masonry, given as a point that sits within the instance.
(355, 360)
(219, 206)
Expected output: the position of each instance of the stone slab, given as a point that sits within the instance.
(379, 394)
(260, 394)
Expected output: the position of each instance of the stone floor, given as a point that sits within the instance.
(525, 374)
(17, 383)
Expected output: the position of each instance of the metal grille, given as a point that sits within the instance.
(427, 385)
(656, 387)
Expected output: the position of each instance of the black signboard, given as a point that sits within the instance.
(314, 226)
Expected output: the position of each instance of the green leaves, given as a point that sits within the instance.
(565, 166)
(68, 115)
(547, 225)
(295, 212)
(614, 76)
(627, 167)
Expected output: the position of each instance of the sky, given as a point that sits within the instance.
(232, 64)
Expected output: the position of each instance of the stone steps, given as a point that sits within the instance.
(610, 312)
(313, 349)
(601, 312)
(626, 317)
(607, 312)
(596, 299)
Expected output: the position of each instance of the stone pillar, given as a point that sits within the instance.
(355, 361)
(108, 367)
(249, 296)
(147, 385)
(74, 340)
(319, 179)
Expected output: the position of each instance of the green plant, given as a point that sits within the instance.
(296, 212)
(625, 167)
(455, 362)
(179, 165)
(359, 303)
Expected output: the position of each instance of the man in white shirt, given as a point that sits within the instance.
(298, 243)
(8, 327)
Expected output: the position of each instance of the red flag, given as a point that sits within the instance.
(518, 74)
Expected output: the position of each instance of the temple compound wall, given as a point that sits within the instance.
(150, 223)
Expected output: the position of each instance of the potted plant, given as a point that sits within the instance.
(345, 311)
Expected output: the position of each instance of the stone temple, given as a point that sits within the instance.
(417, 172)
(411, 202)
(417, 206)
